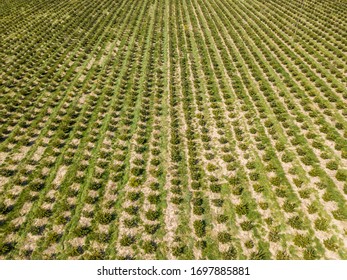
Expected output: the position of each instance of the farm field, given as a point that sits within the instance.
(186, 129)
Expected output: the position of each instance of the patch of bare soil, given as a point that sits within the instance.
(60, 175)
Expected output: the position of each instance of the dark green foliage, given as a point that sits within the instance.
(152, 228)
(221, 219)
(341, 175)
(127, 240)
(310, 254)
(149, 247)
(259, 255)
(296, 222)
(246, 225)
(200, 228)
(242, 209)
(6, 247)
(230, 254)
(152, 215)
(224, 237)
(106, 217)
(82, 231)
(302, 241)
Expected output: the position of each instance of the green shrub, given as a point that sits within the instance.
(211, 167)
(132, 210)
(286, 157)
(221, 219)
(246, 225)
(305, 193)
(41, 213)
(315, 172)
(332, 165)
(228, 158)
(258, 188)
(176, 200)
(249, 244)
(282, 255)
(264, 205)
(274, 235)
(254, 176)
(196, 185)
(237, 190)
(341, 175)
(328, 196)
(198, 210)
(331, 244)
(242, 209)
(133, 196)
(230, 254)
(6, 247)
(216, 188)
(310, 254)
(201, 244)
(135, 182)
(298, 182)
(281, 192)
(136, 171)
(152, 215)
(37, 185)
(127, 240)
(179, 250)
(302, 241)
(154, 199)
(217, 202)
(149, 247)
(200, 227)
(321, 224)
(151, 228)
(296, 222)
(259, 255)
(81, 231)
(289, 207)
(224, 237)
(276, 181)
(269, 221)
(106, 218)
(340, 214)
(53, 237)
(132, 222)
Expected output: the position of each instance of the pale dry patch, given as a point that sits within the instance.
(60, 175)
(39, 152)
(50, 251)
(40, 222)
(45, 140)
(15, 190)
(90, 63)
(93, 193)
(51, 193)
(18, 221)
(30, 242)
(77, 242)
(85, 222)
(102, 60)
(58, 229)
(3, 156)
(103, 228)
(97, 246)
(47, 206)
(82, 77)
(88, 207)
(26, 208)
(45, 171)
(71, 200)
